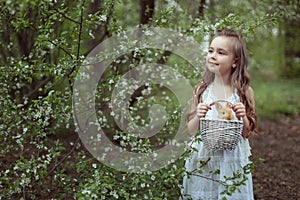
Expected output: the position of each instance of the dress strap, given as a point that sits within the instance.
(236, 97)
(207, 94)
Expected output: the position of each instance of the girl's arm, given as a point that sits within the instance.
(194, 120)
(247, 129)
(193, 125)
(240, 111)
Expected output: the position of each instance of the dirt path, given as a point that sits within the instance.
(278, 176)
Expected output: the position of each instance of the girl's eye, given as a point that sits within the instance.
(210, 51)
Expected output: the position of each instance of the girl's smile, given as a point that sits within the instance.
(220, 58)
(212, 63)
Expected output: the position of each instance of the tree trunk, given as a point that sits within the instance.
(201, 8)
(291, 48)
(147, 10)
(102, 31)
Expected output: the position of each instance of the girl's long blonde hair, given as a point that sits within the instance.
(240, 78)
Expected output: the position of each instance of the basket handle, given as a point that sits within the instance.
(223, 100)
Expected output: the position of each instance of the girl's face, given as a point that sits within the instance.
(220, 58)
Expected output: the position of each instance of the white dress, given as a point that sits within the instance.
(225, 162)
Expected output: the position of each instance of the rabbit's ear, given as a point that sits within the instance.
(218, 106)
(228, 105)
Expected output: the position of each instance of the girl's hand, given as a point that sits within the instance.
(239, 109)
(202, 109)
(240, 112)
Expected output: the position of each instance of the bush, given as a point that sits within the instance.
(42, 47)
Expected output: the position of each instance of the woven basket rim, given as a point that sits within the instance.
(221, 120)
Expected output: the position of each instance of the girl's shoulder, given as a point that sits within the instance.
(199, 88)
(250, 93)
(250, 90)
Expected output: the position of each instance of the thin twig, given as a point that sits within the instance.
(78, 47)
(64, 50)
(218, 181)
(41, 84)
(66, 156)
(65, 16)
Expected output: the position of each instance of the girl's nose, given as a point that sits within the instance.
(213, 55)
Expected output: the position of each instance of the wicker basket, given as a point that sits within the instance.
(220, 134)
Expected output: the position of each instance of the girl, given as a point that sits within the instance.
(225, 77)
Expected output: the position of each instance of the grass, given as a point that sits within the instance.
(277, 98)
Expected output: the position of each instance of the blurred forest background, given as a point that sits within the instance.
(42, 43)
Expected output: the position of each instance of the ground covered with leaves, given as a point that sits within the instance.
(277, 175)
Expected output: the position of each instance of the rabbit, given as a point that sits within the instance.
(224, 113)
